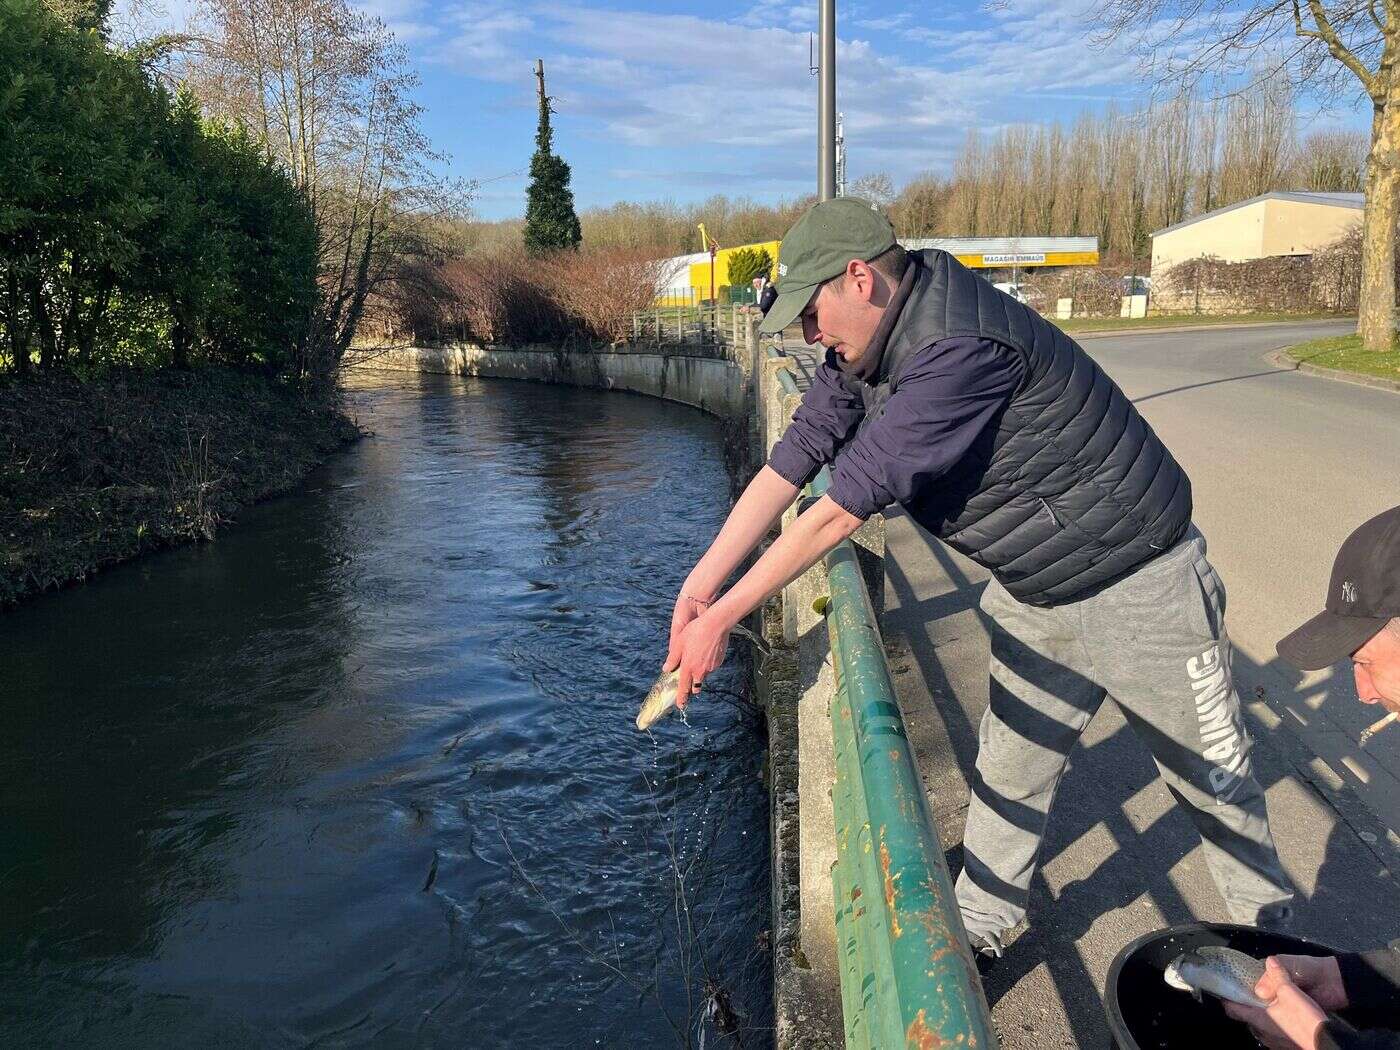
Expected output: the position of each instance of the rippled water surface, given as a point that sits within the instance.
(363, 772)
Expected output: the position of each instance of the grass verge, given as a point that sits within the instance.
(1344, 354)
(94, 473)
(1108, 324)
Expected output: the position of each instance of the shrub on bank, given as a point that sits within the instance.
(508, 298)
(1097, 291)
(131, 230)
(1328, 280)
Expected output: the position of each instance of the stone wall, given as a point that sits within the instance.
(715, 385)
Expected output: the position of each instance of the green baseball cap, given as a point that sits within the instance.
(818, 247)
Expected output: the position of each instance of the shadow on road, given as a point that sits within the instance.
(1209, 382)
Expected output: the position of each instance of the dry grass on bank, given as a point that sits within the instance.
(96, 472)
(507, 298)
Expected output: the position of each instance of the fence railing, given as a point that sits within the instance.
(690, 324)
(906, 970)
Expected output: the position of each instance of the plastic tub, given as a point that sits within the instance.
(1146, 1013)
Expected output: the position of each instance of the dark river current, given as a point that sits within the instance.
(363, 772)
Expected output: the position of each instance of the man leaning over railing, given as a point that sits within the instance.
(999, 435)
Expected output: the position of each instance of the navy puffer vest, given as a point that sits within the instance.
(1070, 490)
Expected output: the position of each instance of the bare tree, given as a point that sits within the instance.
(1327, 46)
(1332, 160)
(1207, 151)
(920, 209)
(877, 187)
(1258, 144)
(1170, 138)
(327, 90)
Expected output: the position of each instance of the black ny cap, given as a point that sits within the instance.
(1363, 596)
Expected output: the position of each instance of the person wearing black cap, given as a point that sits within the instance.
(1360, 622)
(1000, 436)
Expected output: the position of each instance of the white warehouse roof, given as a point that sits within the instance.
(1331, 200)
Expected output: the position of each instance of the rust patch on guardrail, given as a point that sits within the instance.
(895, 931)
(920, 1035)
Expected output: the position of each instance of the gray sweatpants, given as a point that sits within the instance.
(1156, 642)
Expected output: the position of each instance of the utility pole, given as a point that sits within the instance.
(826, 108)
(840, 156)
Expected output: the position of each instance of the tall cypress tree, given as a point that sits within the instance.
(550, 220)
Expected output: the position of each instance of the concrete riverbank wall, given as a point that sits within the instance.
(717, 385)
(795, 686)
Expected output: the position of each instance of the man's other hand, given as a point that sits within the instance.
(686, 610)
(1291, 1021)
(1317, 976)
(698, 650)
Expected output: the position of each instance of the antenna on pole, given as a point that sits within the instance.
(840, 155)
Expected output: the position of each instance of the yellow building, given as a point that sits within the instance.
(1272, 224)
(699, 273)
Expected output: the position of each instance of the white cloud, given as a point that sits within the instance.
(484, 40)
(670, 81)
(780, 14)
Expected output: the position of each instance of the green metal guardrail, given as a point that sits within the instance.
(907, 974)
(907, 977)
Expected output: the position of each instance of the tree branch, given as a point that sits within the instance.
(1328, 35)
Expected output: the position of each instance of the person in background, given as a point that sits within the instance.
(1361, 622)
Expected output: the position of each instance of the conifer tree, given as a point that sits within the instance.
(550, 220)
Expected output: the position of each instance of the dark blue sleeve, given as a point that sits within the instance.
(821, 426)
(948, 394)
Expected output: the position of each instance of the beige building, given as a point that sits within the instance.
(1272, 224)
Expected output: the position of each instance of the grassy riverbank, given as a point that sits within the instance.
(94, 473)
(1345, 354)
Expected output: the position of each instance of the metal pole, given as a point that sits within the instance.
(826, 108)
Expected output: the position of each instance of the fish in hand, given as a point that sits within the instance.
(661, 698)
(1223, 972)
(660, 701)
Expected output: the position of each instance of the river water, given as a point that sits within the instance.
(363, 772)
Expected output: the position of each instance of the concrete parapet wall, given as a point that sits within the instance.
(715, 385)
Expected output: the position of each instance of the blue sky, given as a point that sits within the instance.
(676, 100)
(683, 100)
